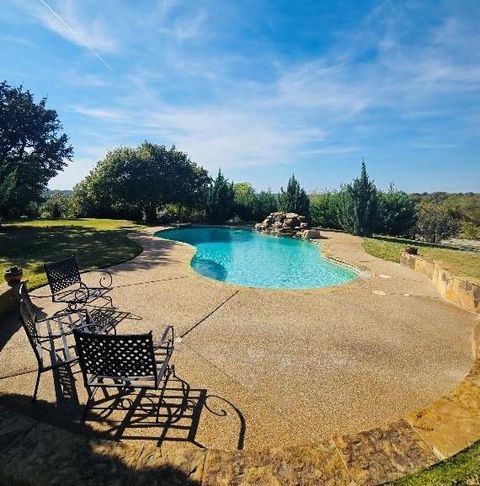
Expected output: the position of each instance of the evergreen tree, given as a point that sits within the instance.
(294, 199)
(220, 200)
(358, 205)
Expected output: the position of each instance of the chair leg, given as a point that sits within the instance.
(37, 383)
(90, 396)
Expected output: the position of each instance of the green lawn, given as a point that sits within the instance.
(96, 243)
(461, 263)
(462, 469)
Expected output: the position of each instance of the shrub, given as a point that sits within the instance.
(436, 223)
(397, 213)
(323, 210)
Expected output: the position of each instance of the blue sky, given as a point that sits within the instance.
(261, 89)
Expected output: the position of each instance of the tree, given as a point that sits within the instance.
(397, 213)
(357, 208)
(294, 199)
(436, 223)
(323, 210)
(138, 182)
(265, 202)
(220, 200)
(32, 149)
(244, 198)
(57, 205)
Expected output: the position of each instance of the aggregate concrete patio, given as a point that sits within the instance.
(262, 367)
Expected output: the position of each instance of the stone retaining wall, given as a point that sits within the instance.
(456, 290)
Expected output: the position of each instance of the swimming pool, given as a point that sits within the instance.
(252, 259)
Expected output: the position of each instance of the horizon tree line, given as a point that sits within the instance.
(154, 183)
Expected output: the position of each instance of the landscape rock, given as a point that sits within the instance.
(287, 224)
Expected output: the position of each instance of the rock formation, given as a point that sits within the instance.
(287, 224)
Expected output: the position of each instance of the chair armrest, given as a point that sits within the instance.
(68, 324)
(106, 280)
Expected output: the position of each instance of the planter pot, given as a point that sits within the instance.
(13, 276)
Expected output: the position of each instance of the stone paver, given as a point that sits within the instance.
(384, 453)
(447, 426)
(319, 464)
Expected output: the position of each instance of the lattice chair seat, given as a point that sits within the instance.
(123, 361)
(66, 285)
(51, 338)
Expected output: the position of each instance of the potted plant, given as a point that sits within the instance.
(13, 275)
(411, 250)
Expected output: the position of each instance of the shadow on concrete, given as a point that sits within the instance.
(88, 465)
(10, 324)
(170, 414)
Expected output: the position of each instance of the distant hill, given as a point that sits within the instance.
(467, 204)
(50, 192)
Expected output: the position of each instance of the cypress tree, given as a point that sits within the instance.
(358, 205)
(294, 199)
(220, 199)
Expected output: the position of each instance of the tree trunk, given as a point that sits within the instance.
(151, 213)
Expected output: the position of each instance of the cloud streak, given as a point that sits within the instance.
(69, 31)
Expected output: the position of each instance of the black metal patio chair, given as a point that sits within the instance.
(51, 337)
(66, 285)
(128, 361)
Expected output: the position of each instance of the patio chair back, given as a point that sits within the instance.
(117, 360)
(62, 274)
(28, 318)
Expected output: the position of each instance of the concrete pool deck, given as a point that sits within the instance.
(272, 368)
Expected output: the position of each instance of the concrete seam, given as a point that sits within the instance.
(203, 319)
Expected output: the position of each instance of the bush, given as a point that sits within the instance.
(264, 203)
(470, 231)
(243, 202)
(397, 213)
(436, 223)
(323, 210)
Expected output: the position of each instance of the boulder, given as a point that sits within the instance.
(282, 223)
(310, 234)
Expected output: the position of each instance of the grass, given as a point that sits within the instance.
(96, 243)
(462, 469)
(461, 263)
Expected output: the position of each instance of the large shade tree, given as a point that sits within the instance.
(134, 182)
(33, 149)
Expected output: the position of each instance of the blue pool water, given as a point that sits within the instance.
(248, 258)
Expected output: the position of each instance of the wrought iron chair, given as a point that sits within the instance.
(123, 361)
(49, 337)
(65, 281)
